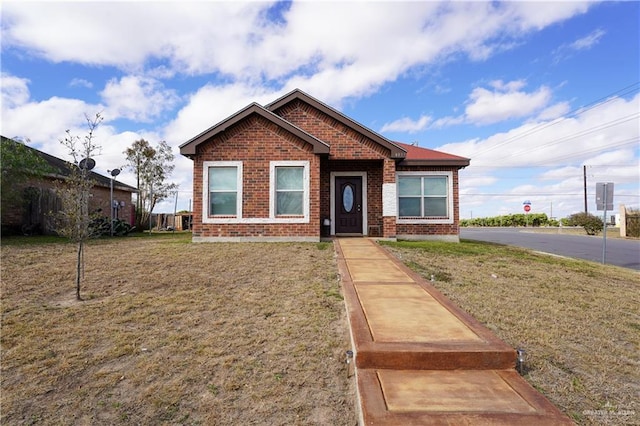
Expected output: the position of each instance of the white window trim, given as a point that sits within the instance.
(205, 192)
(448, 220)
(273, 218)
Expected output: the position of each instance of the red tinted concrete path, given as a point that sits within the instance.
(420, 360)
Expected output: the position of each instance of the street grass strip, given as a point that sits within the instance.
(578, 321)
(172, 332)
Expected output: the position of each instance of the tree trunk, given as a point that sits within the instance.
(79, 269)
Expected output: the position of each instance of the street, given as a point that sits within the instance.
(619, 252)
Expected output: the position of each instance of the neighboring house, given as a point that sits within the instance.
(297, 169)
(35, 211)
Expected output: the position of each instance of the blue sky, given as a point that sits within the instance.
(531, 92)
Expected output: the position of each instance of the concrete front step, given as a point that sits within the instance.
(458, 397)
(411, 325)
(433, 357)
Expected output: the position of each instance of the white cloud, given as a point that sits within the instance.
(45, 121)
(588, 41)
(610, 126)
(505, 102)
(566, 50)
(14, 90)
(208, 106)
(554, 111)
(80, 82)
(406, 124)
(604, 138)
(316, 45)
(137, 98)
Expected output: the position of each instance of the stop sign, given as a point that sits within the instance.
(527, 208)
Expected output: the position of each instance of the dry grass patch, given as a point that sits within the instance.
(578, 321)
(173, 332)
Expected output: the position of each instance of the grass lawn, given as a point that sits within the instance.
(173, 333)
(578, 321)
(177, 333)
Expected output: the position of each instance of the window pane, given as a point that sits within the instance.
(223, 179)
(289, 203)
(223, 203)
(435, 206)
(289, 178)
(409, 206)
(435, 186)
(347, 198)
(409, 186)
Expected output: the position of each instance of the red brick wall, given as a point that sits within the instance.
(345, 143)
(13, 216)
(256, 142)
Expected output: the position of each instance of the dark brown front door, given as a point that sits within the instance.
(348, 212)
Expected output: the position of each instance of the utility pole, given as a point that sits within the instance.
(584, 173)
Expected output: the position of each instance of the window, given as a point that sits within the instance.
(425, 195)
(289, 190)
(223, 196)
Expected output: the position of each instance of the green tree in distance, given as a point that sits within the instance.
(18, 164)
(152, 167)
(591, 224)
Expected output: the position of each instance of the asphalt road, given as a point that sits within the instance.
(620, 252)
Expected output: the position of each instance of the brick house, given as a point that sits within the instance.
(297, 170)
(35, 211)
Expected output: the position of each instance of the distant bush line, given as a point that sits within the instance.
(520, 219)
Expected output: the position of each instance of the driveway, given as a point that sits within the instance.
(619, 252)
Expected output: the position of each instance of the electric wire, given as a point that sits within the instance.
(573, 113)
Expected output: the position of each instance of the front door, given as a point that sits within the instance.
(348, 214)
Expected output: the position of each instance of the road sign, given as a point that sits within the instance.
(527, 208)
(604, 196)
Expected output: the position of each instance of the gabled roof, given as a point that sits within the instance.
(417, 156)
(407, 155)
(60, 169)
(297, 94)
(189, 148)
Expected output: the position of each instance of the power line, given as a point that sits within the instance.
(575, 112)
(533, 194)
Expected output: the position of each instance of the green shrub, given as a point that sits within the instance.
(591, 224)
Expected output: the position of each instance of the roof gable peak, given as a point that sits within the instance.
(189, 148)
(397, 152)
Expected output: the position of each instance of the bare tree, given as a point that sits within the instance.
(74, 219)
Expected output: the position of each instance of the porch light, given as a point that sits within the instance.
(326, 221)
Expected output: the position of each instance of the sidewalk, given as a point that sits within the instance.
(420, 360)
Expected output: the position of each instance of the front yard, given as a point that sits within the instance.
(578, 321)
(174, 333)
(177, 333)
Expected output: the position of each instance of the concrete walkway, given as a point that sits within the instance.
(420, 360)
